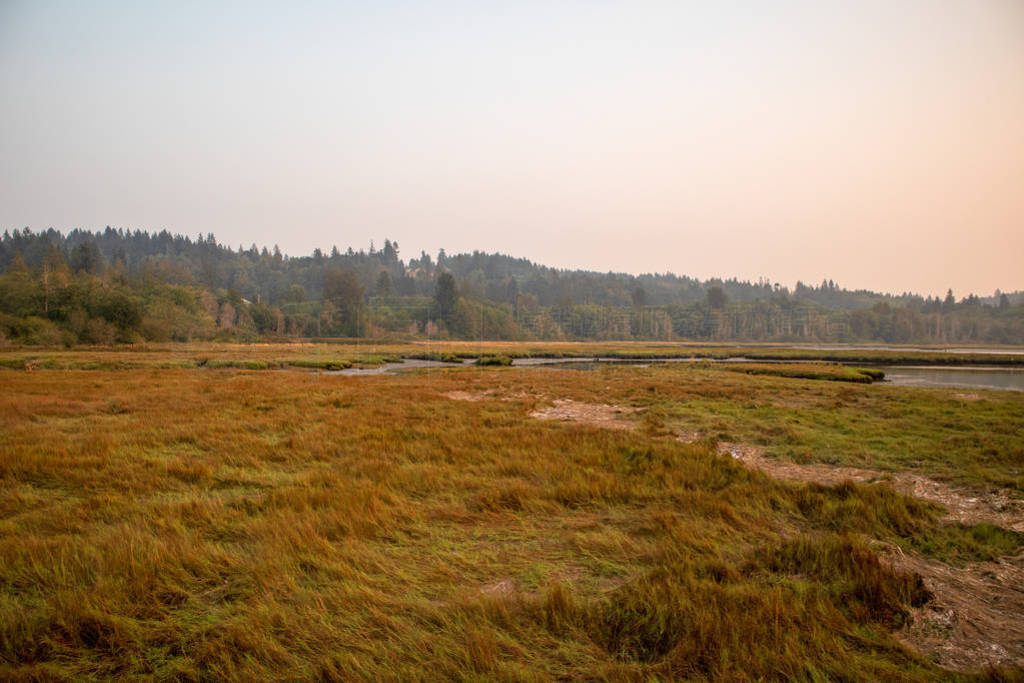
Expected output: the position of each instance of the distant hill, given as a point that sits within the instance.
(64, 288)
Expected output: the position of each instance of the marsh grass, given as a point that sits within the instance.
(331, 364)
(822, 371)
(494, 360)
(978, 444)
(179, 523)
(377, 351)
(440, 357)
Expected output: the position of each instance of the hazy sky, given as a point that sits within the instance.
(877, 143)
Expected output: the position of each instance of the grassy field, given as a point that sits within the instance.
(168, 521)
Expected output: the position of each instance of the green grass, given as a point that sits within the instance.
(957, 543)
(439, 357)
(496, 360)
(332, 364)
(242, 363)
(977, 443)
(831, 372)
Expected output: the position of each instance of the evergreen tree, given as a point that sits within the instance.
(86, 257)
(639, 297)
(384, 286)
(949, 302)
(445, 296)
(716, 297)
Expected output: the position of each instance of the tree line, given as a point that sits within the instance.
(118, 286)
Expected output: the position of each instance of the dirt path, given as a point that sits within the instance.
(961, 506)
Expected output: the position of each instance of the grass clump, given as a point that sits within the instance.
(852, 575)
(714, 618)
(959, 543)
(832, 371)
(438, 357)
(875, 374)
(500, 360)
(242, 364)
(329, 364)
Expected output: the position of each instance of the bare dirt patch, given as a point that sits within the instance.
(994, 507)
(567, 410)
(466, 395)
(976, 616)
(593, 414)
(487, 395)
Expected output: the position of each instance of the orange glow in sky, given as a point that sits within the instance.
(877, 144)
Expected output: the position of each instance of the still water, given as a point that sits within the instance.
(967, 377)
(1011, 379)
(972, 377)
(990, 350)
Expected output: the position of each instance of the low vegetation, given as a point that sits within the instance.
(832, 371)
(165, 521)
(494, 360)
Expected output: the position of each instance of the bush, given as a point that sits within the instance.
(39, 331)
(99, 331)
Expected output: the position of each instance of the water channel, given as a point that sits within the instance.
(1011, 379)
(973, 377)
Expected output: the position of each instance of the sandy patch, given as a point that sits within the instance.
(593, 414)
(466, 395)
(485, 395)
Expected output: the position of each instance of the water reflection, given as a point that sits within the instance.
(1011, 379)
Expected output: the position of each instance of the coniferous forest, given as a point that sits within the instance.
(118, 286)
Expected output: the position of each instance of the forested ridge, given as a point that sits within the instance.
(117, 286)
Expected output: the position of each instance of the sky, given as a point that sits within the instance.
(876, 143)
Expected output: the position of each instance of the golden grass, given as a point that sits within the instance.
(177, 523)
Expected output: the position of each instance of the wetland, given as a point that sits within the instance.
(162, 518)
